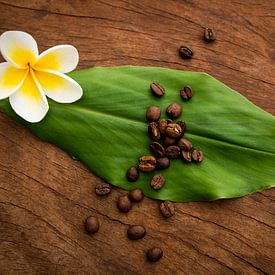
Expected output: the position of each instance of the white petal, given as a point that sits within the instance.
(62, 58)
(11, 79)
(59, 87)
(19, 48)
(29, 101)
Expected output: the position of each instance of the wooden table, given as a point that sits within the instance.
(45, 195)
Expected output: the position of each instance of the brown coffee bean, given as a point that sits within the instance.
(174, 110)
(103, 189)
(157, 89)
(153, 113)
(173, 130)
(197, 156)
(186, 52)
(182, 124)
(185, 144)
(92, 225)
(186, 93)
(209, 35)
(157, 181)
(167, 209)
(132, 174)
(169, 141)
(162, 126)
(124, 203)
(147, 163)
(163, 163)
(186, 156)
(172, 152)
(136, 232)
(153, 131)
(136, 195)
(154, 254)
(157, 149)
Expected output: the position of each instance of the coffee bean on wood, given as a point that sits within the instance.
(124, 203)
(167, 209)
(103, 189)
(154, 254)
(209, 35)
(91, 225)
(186, 52)
(136, 195)
(136, 232)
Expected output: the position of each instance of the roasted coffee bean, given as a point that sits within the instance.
(186, 93)
(153, 131)
(172, 152)
(182, 124)
(136, 195)
(103, 189)
(169, 121)
(167, 209)
(197, 156)
(186, 52)
(124, 203)
(154, 254)
(153, 113)
(147, 163)
(209, 35)
(173, 130)
(162, 126)
(186, 156)
(185, 144)
(169, 141)
(174, 110)
(132, 174)
(157, 149)
(136, 232)
(157, 89)
(157, 181)
(163, 163)
(92, 225)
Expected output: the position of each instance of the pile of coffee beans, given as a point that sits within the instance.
(167, 143)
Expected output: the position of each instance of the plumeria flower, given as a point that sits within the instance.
(27, 77)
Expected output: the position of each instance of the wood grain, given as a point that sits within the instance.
(45, 195)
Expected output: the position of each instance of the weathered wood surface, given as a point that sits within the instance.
(45, 195)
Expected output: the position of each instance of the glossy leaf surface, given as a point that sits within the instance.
(107, 131)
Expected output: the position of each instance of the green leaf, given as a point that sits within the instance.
(107, 131)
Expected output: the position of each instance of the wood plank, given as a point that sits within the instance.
(45, 195)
